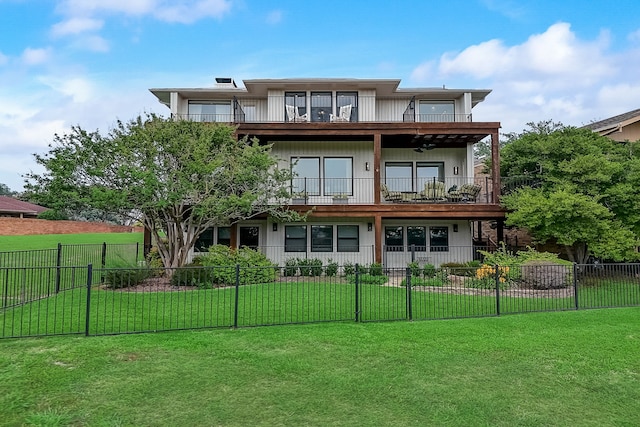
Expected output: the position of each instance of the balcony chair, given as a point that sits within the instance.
(466, 193)
(344, 114)
(434, 191)
(390, 196)
(294, 116)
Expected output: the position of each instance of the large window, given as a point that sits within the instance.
(250, 237)
(348, 98)
(399, 176)
(224, 236)
(321, 238)
(417, 237)
(204, 241)
(296, 99)
(348, 238)
(306, 171)
(210, 111)
(436, 111)
(338, 176)
(320, 106)
(428, 172)
(439, 239)
(295, 238)
(394, 239)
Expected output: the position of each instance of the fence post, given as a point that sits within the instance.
(58, 265)
(137, 251)
(409, 305)
(497, 290)
(103, 260)
(357, 296)
(88, 308)
(236, 301)
(575, 285)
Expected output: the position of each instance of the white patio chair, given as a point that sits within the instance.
(294, 116)
(344, 115)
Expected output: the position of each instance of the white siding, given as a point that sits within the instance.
(391, 110)
(275, 106)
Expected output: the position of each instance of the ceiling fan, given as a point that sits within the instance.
(425, 146)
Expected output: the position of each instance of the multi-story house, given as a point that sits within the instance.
(388, 171)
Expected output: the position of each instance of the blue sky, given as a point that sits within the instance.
(90, 62)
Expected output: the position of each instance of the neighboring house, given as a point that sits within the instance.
(14, 208)
(386, 169)
(623, 127)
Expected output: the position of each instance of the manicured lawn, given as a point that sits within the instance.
(567, 368)
(50, 241)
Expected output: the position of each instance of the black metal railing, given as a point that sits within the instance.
(148, 299)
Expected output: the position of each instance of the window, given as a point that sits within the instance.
(320, 106)
(295, 238)
(338, 176)
(394, 239)
(297, 99)
(439, 239)
(204, 241)
(306, 173)
(417, 235)
(399, 176)
(348, 238)
(436, 111)
(348, 98)
(210, 111)
(224, 236)
(427, 172)
(321, 238)
(250, 237)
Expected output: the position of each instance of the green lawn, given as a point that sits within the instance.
(567, 368)
(276, 303)
(50, 241)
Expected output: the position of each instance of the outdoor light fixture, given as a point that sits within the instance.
(275, 226)
(455, 228)
(369, 226)
(366, 165)
(456, 170)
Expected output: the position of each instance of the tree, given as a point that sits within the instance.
(180, 177)
(5, 190)
(582, 190)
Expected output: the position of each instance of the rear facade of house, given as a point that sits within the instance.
(388, 171)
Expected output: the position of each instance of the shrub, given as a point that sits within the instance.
(348, 269)
(202, 277)
(542, 274)
(375, 269)
(485, 277)
(331, 269)
(291, 267)
(415, 269)
(429, 270)
(53, 215)
(255, 267)
(123, 275)
(305, 267)
(368, 279)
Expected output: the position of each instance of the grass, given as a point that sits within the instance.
(275, 303)
(567, 368)
(50, 241)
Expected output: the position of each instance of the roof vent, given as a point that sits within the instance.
(225, 82)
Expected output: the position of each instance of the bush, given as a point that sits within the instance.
(331, 269)
(541, 274)
(348, 269)
(123, 275)
(291, 267)
(199, 276)
(416, 271)
(255, 267)
(375, 269)
(429, 270)
(53, 215)
(368, 279)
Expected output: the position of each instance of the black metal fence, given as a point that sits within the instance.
(146, 300)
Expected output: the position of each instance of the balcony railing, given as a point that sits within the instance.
(359, 191)
(279, 109)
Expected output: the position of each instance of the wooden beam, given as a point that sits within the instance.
(495, 167)
(377, 226)
(377, 155)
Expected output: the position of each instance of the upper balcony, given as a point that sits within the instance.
(327, 108)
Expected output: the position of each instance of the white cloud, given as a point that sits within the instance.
(92, 43)
(182, 11)
(3, 59)
(79, 89)
(274, 17)
(35, 56)
(423, 72)
(75, 26)
(634, 36)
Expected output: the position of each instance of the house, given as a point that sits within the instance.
(14, 208)
(623, 127)
(388, 171)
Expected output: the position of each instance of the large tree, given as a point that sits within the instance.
(178, 177)
(577, 188)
